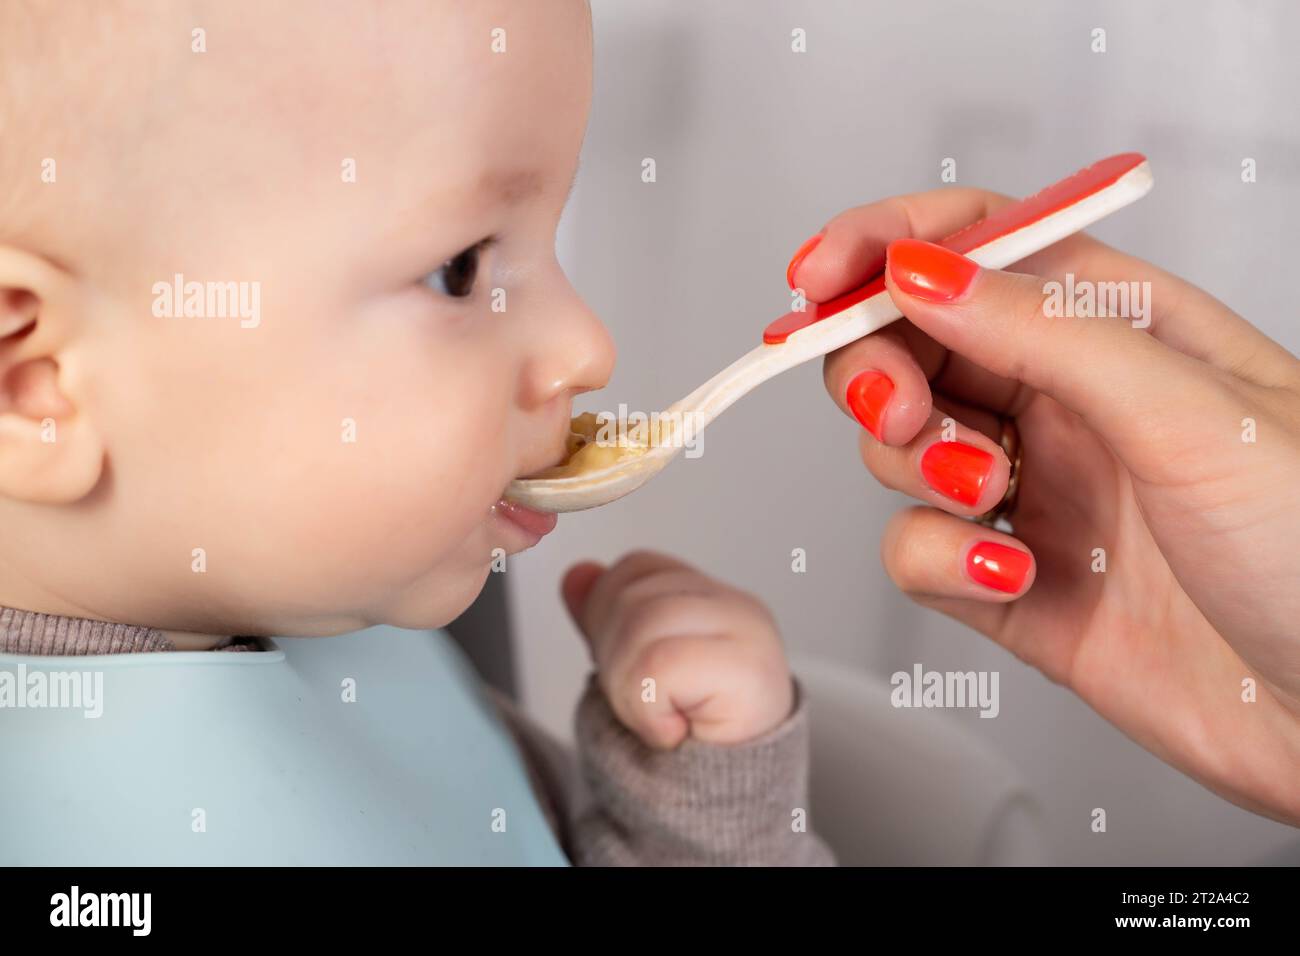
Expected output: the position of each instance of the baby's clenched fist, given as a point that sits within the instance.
(678, 654)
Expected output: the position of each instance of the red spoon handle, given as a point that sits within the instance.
(1007, 220)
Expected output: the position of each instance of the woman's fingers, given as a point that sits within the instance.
(1179, 314)
(850, 249)
(887, 380)
(964, 569)
(952, 463)
(1118, 378)
(880, 381)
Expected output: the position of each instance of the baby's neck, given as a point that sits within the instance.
(189, 641)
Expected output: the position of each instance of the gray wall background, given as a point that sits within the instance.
(756, 147)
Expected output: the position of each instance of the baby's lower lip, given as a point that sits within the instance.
(534, 522)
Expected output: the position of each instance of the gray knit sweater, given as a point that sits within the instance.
(618, 803)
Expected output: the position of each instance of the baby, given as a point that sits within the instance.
(280, 318)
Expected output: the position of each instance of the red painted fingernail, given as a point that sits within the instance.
(867, 396)
(956, 470)
(800, 254)
(998, 567)
(930, 272)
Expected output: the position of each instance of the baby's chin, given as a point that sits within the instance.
(441, 594)
(435, 596)
(436, 600)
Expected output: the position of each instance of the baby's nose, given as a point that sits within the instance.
(572, 353)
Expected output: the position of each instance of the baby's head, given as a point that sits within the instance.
(357, 205)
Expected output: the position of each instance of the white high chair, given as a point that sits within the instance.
(908, 788)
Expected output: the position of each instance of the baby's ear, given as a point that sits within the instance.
(50, 453)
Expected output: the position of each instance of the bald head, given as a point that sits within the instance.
(327, 160)
(147, 112)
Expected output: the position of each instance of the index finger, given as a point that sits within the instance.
(851, 250)
(852, 245)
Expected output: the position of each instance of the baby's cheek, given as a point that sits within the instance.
(374, 514)
(321, 473)
(404, 485)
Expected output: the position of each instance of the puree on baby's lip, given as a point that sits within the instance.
(591, 450)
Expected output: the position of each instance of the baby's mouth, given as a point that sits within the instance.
(536, 523)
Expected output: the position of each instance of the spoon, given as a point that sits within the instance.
(1012, 233)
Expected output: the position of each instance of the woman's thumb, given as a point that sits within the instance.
(1118, 378)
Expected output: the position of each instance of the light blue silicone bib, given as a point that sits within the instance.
(263, 758)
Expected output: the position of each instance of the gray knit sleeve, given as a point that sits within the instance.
(700, 804)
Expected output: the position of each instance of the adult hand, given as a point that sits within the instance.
(1174, 449)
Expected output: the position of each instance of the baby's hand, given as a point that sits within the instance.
(678, 654)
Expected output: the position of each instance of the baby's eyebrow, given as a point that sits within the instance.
(509, 186)
(512, 186)
(515, 185)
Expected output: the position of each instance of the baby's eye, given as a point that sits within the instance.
(455, 277)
